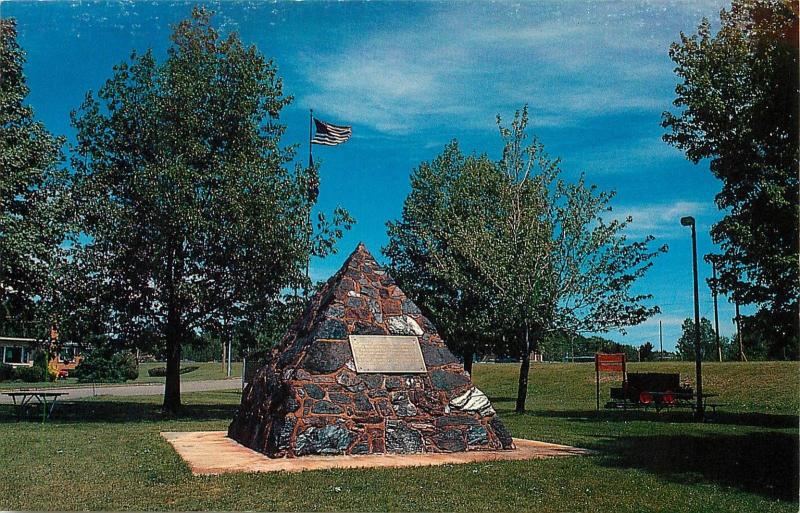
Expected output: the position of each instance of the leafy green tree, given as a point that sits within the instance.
(32, 187)
(103, 365)
(554, 261)
(758, 334)
(708, 342)
(207, 349)
(190, 220)
(646, 352)
(422, 259)
(542, 250)
(738, 101)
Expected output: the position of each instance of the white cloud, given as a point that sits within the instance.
(463, 66)
(665, 320)
(662, 220)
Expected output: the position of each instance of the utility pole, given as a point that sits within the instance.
(224, 357)
(230, 343)
(226, 345)
(716, 312)
(660, 342)
(572, 346)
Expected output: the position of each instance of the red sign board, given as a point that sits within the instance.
(609, 362)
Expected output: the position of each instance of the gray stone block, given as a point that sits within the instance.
(323, 440)
(402, 439)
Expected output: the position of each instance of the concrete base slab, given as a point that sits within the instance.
(212, 452)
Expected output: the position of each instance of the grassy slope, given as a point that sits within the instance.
(746, 461)
(207, 370)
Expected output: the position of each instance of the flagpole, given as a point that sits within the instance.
(308, 213)
(328, 135)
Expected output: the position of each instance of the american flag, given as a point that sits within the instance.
(331, 135)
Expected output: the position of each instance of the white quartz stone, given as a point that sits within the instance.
(473, 400)
(404, 325)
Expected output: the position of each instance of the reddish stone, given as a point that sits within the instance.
(358, 314)
(371, 419)
(391, 307)
(394, 291)
(378, 445)
(375, 432)
(323, 378)
(350, 381)
(384, 407)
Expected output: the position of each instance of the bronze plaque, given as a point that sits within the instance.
(386, 354)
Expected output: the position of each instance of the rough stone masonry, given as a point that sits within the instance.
(309, 399)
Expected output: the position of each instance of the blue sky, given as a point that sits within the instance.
(410, 76)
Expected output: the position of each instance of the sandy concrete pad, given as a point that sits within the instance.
(212, 452)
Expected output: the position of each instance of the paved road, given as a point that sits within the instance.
(131, 390)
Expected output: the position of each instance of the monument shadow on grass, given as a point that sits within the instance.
(769, 420)
(761, 463)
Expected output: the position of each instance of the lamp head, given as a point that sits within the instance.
(687, 221)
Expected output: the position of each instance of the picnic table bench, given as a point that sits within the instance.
(26, 398)
(660, 400)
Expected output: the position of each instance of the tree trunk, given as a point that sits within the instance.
(469, 354)
(172, 387)
(224, 356)
(522, 389)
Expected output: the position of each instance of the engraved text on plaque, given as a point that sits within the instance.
(387, 354)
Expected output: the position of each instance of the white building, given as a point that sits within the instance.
(17, 351)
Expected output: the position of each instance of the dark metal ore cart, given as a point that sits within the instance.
(654, 390)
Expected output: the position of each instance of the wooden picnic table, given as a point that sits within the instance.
(27, 396)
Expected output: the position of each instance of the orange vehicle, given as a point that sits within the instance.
(65, 359)
(66, 356)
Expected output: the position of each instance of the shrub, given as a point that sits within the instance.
(100, 367)
(128, 365)
(160, 372)
(33, 374)
(41, 363)
(157, 372)
(6, 372)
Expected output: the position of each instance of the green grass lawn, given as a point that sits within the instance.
(207, 370)
(107, 454)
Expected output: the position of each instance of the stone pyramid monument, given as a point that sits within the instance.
(363, 371)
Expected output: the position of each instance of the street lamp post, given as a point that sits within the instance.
(699, 413)
(716, 311)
